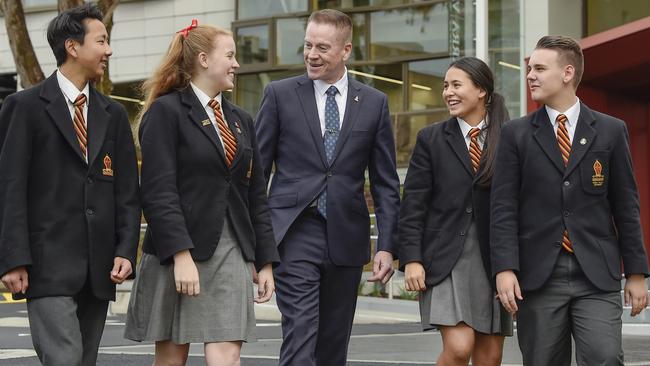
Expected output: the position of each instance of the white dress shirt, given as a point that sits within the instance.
(571, 114)
(70, 92)
(320, 87)
(204, 99)
(466, 127)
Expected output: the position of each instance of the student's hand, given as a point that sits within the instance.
(414, 277)
(121, 270)
(382, 269)
(508, 289)
(636, 293)
(186, 276)
(16, 280)
(265, 284)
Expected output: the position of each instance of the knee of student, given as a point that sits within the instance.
(460, 350)
(171, 360)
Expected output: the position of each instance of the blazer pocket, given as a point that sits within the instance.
(611, 255)
(104, 162)
(594, 172)
(283, 200)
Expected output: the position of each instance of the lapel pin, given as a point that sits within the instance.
(583, 141)
(108, 166)
(237, 127)
(206, 122)
(356, 98)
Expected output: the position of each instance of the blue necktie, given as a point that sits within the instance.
(329, 139)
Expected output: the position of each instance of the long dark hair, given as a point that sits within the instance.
(481, 75)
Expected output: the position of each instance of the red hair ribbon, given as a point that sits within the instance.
(186, 31)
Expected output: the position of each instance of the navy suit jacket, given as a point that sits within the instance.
(534, 198)
(289, 135)
(188, 189)
(63, 218)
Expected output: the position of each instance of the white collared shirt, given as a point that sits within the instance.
(466, 127)
(571, 114)
(320, 87)
(204, 99)
(70, 92)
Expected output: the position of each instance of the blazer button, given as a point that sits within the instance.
(90, 211)
(566, 213)
(462, 233)
(329, 173)
(468, 210)
(90, 180)
(567, 183)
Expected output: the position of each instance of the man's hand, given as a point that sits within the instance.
(508, 289)
(636, 293)
(186, 276)
(121, 270)
(265, 284)
(382, 269)
(16, 280)
(414, 277)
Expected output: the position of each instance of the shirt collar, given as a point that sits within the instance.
(571, 114)
(342, 84)
(204, 99)
(466, 127)
(69, 90)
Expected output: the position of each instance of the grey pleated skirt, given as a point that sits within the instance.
(223, 311)
(465, 296)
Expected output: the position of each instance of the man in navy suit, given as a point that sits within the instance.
(322, 131)
(69, 207)
(565, 213)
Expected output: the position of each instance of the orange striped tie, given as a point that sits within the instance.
(79, 124)
(474, 148)
(565, 148)
(229, 142)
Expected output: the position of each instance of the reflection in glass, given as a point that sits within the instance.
(290, 34)
(343, 4)
(406, 131)
(387, 78)
(503, 30)
(253, 44)
(426, 82)
(426, 27)
(250, 88)
(358, 37)
(607, 14)
(248, 9)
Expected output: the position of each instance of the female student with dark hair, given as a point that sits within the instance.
(204, 198)
(444, 219)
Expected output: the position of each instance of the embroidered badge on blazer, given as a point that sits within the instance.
(206, 122)
(598, 179)
(108, 163)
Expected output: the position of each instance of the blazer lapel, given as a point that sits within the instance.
(584, 133)
(457, 143)
(305, 91)
(234, 122)
(352, 108)
(98, 120)
(60, 113)
(200, 118)
(547, 139)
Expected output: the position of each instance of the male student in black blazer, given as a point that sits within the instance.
(565, 211)
(69, 211)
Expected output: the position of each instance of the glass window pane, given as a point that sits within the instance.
(253, 44)
(387, 78)
(423, 31)
(503, 48)
(359, 45)
(342, 4)
(32, 3)
(250, 88)
(290, 35)
(248, 9)
(607, 14)
(425, 84)
(406, 131)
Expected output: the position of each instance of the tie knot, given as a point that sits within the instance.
(561, 119)
(331, 91)
(474, 132)
(80, 101)
(213, 103)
